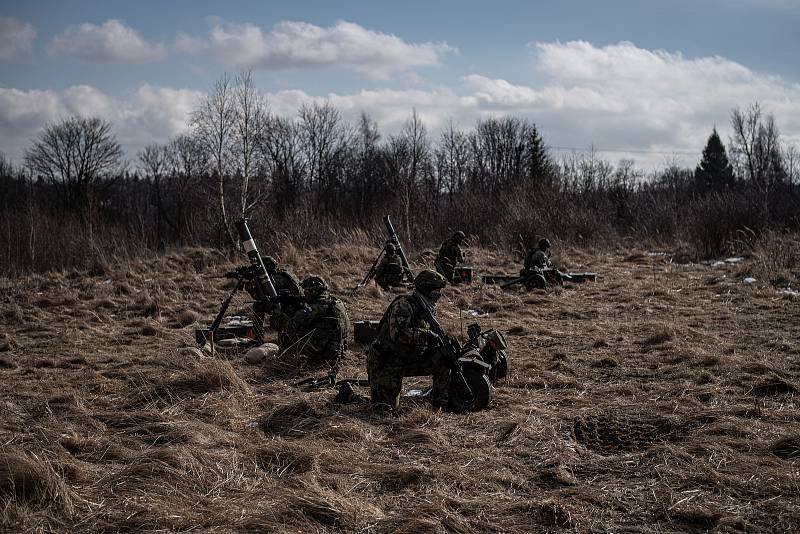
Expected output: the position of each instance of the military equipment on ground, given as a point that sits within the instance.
(236, 327)
(506, 281)
(463, 275)
(267, 298)
(470, 388)
(491, 347)
(329, 381)
(364, 332)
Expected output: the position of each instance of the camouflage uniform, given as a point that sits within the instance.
(538, 268)
(537, 260)
(285, 283)
(404, 346)
(390, 270)
(318, 330)
(450, 255)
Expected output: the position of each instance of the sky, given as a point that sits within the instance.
(638, 79)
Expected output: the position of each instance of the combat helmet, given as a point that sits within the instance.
(313, 286)
(390, 248)
(269, 262)
(459, 236)
(544, 243)
(428, 281)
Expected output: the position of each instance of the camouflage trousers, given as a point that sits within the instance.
(445, 268)
(393, 279)
(386, 372)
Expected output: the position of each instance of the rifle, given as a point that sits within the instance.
(451, 352)
(266, 296)
(329, 380)
(394, 239)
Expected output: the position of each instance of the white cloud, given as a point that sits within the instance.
(110, 42)
(148, 115)
(303, 45)
(628, 97)
(618, 96)
(16, 37)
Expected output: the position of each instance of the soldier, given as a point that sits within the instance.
(450, 255)
(405, 346)
(537, 267)
(286, 284)
(390, 270)
(319, 329)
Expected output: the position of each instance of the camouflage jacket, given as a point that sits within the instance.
(322, 324)
(286, 281)
(537, 260)
(390, 271)
(450, 254)
(402, 333)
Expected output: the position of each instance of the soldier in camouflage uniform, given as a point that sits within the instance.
(390, 270)
(285, 282)
(405, 346)
(538, 268)
(319, 329)
(450, 255)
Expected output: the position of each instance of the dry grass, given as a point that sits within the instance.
(661, 398)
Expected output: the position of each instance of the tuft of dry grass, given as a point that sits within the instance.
(27, 480)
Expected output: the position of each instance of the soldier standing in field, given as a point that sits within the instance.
(405, 346)
(450, 255)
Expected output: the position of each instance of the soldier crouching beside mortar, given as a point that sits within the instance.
(538, 269)
(405, 346)
(391, 272)
(319, 329)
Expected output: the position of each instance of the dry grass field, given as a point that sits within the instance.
(661, 398)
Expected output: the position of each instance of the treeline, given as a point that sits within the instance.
(315, 178)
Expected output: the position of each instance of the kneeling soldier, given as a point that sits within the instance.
(538, 269)
(319, 329)
(405, 346)
(390, 270)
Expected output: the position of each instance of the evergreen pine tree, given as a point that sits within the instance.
(714, 172)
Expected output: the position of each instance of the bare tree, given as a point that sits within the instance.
(368, 172)
(282, 149)
(250, 117)
(791, 161)
(325, 139)
(756, 149)
(452, 160)
(188, 164)
(214, 123)
(75, 154)
(153, 160)
(413, 140)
